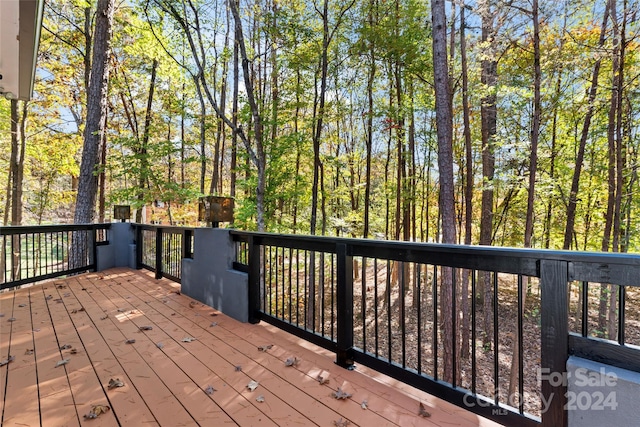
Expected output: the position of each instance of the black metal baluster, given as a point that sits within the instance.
(496, 365)
(473, 331)
(520, 349)
(363, 291)
(621, 313)
(585, 308)
(375, 297)
(419, 306)
(388, 294)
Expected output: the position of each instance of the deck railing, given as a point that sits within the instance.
(36, 253)
(161, 249)
(516, 314)
(377, 303)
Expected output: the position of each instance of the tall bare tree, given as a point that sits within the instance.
(444, 128)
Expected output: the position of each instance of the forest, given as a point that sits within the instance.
(324, 117)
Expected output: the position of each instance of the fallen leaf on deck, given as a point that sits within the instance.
(238, 368)
(260, 399)
(253, 385)
(74, 311)
(364, 404)
(160, 345)
(7, 361)
(58, 300)
(104, 317)
(62, 362)
(209, 390)
(66, 294)
(322, 380)
(340, 394)
(164, 301)
(28, 351)
(36, 330)
(188, 339)
(1, 314)
(422, 411)
(11, 319)
(213, 324)
(115, 383)
(341, 423)
(292, 361)
(48, 297)
(132, 312)
(130, 341)
(193, 304)
(84, 289)
(146, 328)
(22, 305)
(65, 347)
(73, 351)
(96, 410)
(265, 347)
(214, 314)
(60, 286)
(121, 310)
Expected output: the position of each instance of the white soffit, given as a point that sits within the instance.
(20, 23)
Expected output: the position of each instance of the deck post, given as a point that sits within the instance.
(555, 341)
(254, 280)
(159, 253)
(93, 247)
(344, 301)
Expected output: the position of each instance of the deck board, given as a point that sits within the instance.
(98, 312)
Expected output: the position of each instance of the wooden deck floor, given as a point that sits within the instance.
(166, 378)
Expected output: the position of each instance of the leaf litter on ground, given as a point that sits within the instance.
(7, 360)
(130, 341)
(260, 399)
(292, 361)
(253, 385)
(96, 411)
(188, 339)
(265, 347)
(62, 362)
(115, 383)
(146, 328)
(422, 411)
(209, 390)
(340, 394)
(341, 422)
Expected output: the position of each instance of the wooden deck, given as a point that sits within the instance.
(167, 378)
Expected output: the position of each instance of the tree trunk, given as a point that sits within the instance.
(94, 127)
(533, 167)
(444, 128)
(488, 112)
(575, 182)
(468, 190)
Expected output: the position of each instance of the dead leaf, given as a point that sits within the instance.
(48, 297)
(322, 380)
(238, 368)
(209, 390)
(130, 341)
(422, 411)
(60, 286)
(214, 314)
(340, 394)
(1, 314)
(192, 304)
(22, 305)
(364, 404)
(265, 347)
(292, 361)
(96, 410)
(188, 339)
(132, 312)
(341, 423)
(104, 317)
(73, 351)
(62, 362)
(84, 289)
(36, 330)
(146, 328)
(65, 347)
(253, 385)
(59, 300)
(121, 310)
(260, 399)
(77, 310)
(160, 345)
(115, 383)
(213, 324)
(11, 319)
(7, 361)
(28, 351)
